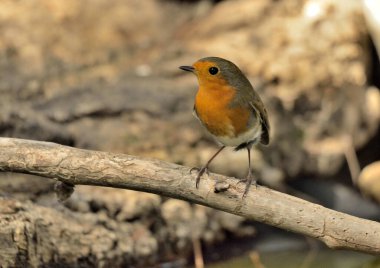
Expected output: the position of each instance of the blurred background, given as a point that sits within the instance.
(103, 75)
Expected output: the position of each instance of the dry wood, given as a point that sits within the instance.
(77, 166)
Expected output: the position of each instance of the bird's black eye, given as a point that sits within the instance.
(213, 70)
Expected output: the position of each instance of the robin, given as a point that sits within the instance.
(229, 108)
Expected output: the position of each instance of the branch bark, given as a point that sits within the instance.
(77, 166)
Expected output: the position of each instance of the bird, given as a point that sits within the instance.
(229, 108)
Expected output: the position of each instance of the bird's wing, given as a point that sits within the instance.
(261, 113)
(248, 97)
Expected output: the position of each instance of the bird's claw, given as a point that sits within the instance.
(249, 180)
(201, 171)
(241, 181)
(194, 168)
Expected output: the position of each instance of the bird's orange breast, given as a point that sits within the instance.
(212, 104)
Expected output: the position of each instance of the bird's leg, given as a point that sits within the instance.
(204, 169)
(249, 179)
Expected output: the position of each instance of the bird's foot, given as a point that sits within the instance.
(200, 171)
(249, 180)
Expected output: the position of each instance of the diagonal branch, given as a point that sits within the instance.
(77, 166)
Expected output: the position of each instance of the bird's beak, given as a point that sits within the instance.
(187, 68)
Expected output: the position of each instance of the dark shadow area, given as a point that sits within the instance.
(374, 71)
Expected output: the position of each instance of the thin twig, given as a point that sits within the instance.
(352, 159)
(198, 256)
(255, 258)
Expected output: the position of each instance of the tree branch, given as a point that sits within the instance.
(77, 166)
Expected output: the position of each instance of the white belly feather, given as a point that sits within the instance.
(253, 134)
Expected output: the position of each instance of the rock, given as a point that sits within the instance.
(178, 216)
(109, 101)
(24, 187)
(121, 205)
(234, 224)
(37, 235)
(369, 181)
(23, 122)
